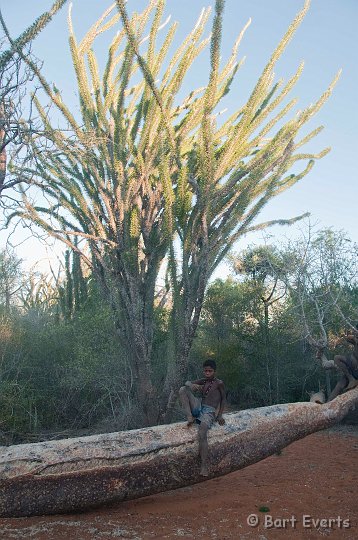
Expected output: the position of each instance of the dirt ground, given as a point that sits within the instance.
(291, 495)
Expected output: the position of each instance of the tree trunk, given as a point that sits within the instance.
(3, 156)
(2, 165)
(132, 311)
(187, 307)
(76, 474)
(328, 383)
(139, 353)
(267, 350)
(177, 367)
(175, 378)
(7, 296)
(145, 393)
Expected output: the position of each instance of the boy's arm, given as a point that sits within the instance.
(199, 381)
(195, 386)
(219, 416)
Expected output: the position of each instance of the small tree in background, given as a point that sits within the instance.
(265, 269)
(11, 278)
(141, 178)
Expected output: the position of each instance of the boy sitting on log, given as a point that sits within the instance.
(204, 410)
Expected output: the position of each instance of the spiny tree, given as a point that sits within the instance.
(11, 277)
(38, 294)
(323, 288)
(141, 179)
(13, 80)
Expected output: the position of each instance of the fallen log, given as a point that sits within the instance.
(76, 474)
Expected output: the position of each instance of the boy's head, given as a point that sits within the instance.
(209, 368)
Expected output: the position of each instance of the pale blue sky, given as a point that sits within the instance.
(326, 40)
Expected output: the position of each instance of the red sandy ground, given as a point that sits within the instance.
(316, 477)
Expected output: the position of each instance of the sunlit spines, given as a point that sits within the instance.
(262, 86)
(308, 137)
(97, 90)
(231, 63)
(134, 227)
(313, 109)
(282, 45)
(183, 196)
(153, 33)
(192, 37)
(148, 77)
(97, 29)
(111, 62)
(87, 108)
(207, 150)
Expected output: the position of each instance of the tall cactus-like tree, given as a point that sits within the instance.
(141, 179)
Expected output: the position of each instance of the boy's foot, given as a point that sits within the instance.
(204, 471)
(352, 384)
(191, 421)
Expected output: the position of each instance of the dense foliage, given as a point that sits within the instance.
(63, 368)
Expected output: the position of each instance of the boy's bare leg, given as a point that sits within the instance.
(352, 381)
(203, 449)
(188, 403)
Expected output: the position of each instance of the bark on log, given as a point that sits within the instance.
(76, 474)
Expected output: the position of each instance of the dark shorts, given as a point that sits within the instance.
(205, 414)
